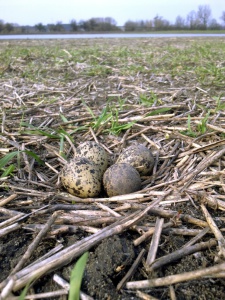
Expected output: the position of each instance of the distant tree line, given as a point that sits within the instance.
(6, 27)
(93, 24)
(195, 20)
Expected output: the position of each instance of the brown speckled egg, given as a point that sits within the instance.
(94, 152)
(120, 179)
(138, 156)
(81, 177)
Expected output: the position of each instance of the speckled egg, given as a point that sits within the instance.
(81, 177)
(94, 152)
(138, 156)
(120, 179)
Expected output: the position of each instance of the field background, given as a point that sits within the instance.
(167, 93)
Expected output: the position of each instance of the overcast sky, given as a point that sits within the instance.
(31, 12)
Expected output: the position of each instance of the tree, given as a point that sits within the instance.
(179, 23)
(99, 24)
(141, 25)
(40, 27)
(74, 26)
(213, 24)
(223, 17)
(111, 21)
(81, 25)
(160, 23)
(149, 24)
(204, 13)
(130, 26)
(192, 20)
(8, 27)
(90, 25)
(58, 27)
(1, 25)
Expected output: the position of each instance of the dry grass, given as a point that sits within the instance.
(166, 94)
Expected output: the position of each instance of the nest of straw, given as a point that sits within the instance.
(183, 196)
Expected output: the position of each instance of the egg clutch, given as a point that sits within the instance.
(88, 172)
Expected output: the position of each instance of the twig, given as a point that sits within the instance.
(197, 237)
(182, 231)
(145, 296)
(150, 232)
(213, 202)
(131, 270)
(210, 159)
(11, 220)
(106, 208)
(61, 282)
(34, 244)
(7, 289)
(184, 217)
(154, 242)
(65, 256)
(215, 230)
(181, 253)
(48, 254)
(172, 279)
(8, 199)
(65, 285)
(41, 296)
(9, 229)
(172, 293)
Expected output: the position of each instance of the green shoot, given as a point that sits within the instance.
(110, 118)
(25, 290)
(7, 158)
(189, 123)
(116, 128)
(64, 119)
(8, 171)
(61, 146)
(158, 111)
(219, 104)
(89, 110)
(189, 131)
(35, 156)
(149, 100)
(76, 277)
(51, 135)
(202, 125)
(103, 118)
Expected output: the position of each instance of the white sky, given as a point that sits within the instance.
(31, 12)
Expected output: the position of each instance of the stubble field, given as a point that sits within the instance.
(164, 242)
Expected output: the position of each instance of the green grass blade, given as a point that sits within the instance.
(41, 132)
(61, 146)
(189, 123)
(25, 290)
(76, 277)
(104, 117)
(159, 111)
(7, 158)
(64, 119)
(80, 128)
(8, 171)
(63, 132)
(117, 128)
(35, 156)
(89, 110)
